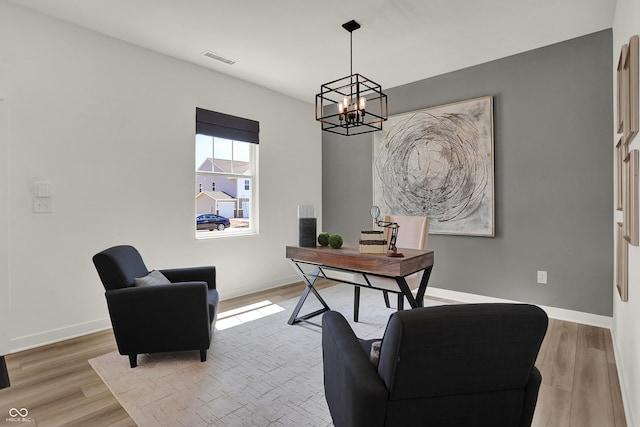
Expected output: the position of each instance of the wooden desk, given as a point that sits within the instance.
(348, 259)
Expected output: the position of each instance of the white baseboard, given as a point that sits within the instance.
(226, 294)
(624, 385)
(56, 335)
(553, 312)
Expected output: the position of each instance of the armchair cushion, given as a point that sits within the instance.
(153, 278)
(374, 353)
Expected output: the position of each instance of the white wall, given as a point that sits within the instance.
(4, 222)
(626, 315)
(112, 127)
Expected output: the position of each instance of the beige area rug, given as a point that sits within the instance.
(260, 371)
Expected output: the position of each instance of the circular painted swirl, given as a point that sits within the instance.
(433, 165)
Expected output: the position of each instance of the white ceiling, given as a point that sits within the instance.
(293, 46)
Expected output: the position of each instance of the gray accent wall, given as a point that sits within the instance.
(553, 121)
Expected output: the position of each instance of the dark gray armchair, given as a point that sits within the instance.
(159, 318)
(454, 365)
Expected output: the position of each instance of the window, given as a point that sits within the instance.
(226, 158)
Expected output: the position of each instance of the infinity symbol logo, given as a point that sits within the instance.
(22, 412)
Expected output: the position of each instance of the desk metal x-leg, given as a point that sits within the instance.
(418, 301)
(309, 280)
(405, 292)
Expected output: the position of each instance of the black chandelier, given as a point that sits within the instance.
(351, 105)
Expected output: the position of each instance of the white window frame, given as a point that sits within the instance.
(252, 176)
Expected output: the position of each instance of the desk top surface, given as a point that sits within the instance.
(349, 257)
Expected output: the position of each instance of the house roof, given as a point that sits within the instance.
(224, 166)
(230, 166)
(215, 195)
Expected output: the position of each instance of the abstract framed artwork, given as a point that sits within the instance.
(439, 162)
(622, 266)
(630, 197)
(627, 121)
(621, 82)
(632, 75)
(621, 153)
(627, 161)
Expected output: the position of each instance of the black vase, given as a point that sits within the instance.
(306, 232)
(306, 226)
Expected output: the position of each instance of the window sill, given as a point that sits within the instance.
(229, 232)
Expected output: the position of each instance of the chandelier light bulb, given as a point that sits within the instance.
(340, 112)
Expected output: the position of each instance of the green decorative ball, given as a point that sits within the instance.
(335, 241)
(323, 239)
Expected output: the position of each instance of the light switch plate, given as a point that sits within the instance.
(42, 189)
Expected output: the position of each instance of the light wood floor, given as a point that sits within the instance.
(580, 385)
(56, 384)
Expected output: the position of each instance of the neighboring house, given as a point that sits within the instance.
(216, 202)
(237, 189)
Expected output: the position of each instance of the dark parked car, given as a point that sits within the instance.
(212, 222)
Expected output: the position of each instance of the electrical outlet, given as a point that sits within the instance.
(542, 277)
(42, 204)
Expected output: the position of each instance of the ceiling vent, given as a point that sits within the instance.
(217, 57)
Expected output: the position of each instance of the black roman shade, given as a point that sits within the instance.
(227, 126)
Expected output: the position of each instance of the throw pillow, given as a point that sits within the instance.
(153, 278)
(374, 355)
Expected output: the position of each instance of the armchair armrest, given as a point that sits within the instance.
(145, 319)
(192, 274)
(531, 397)
(355, 393)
